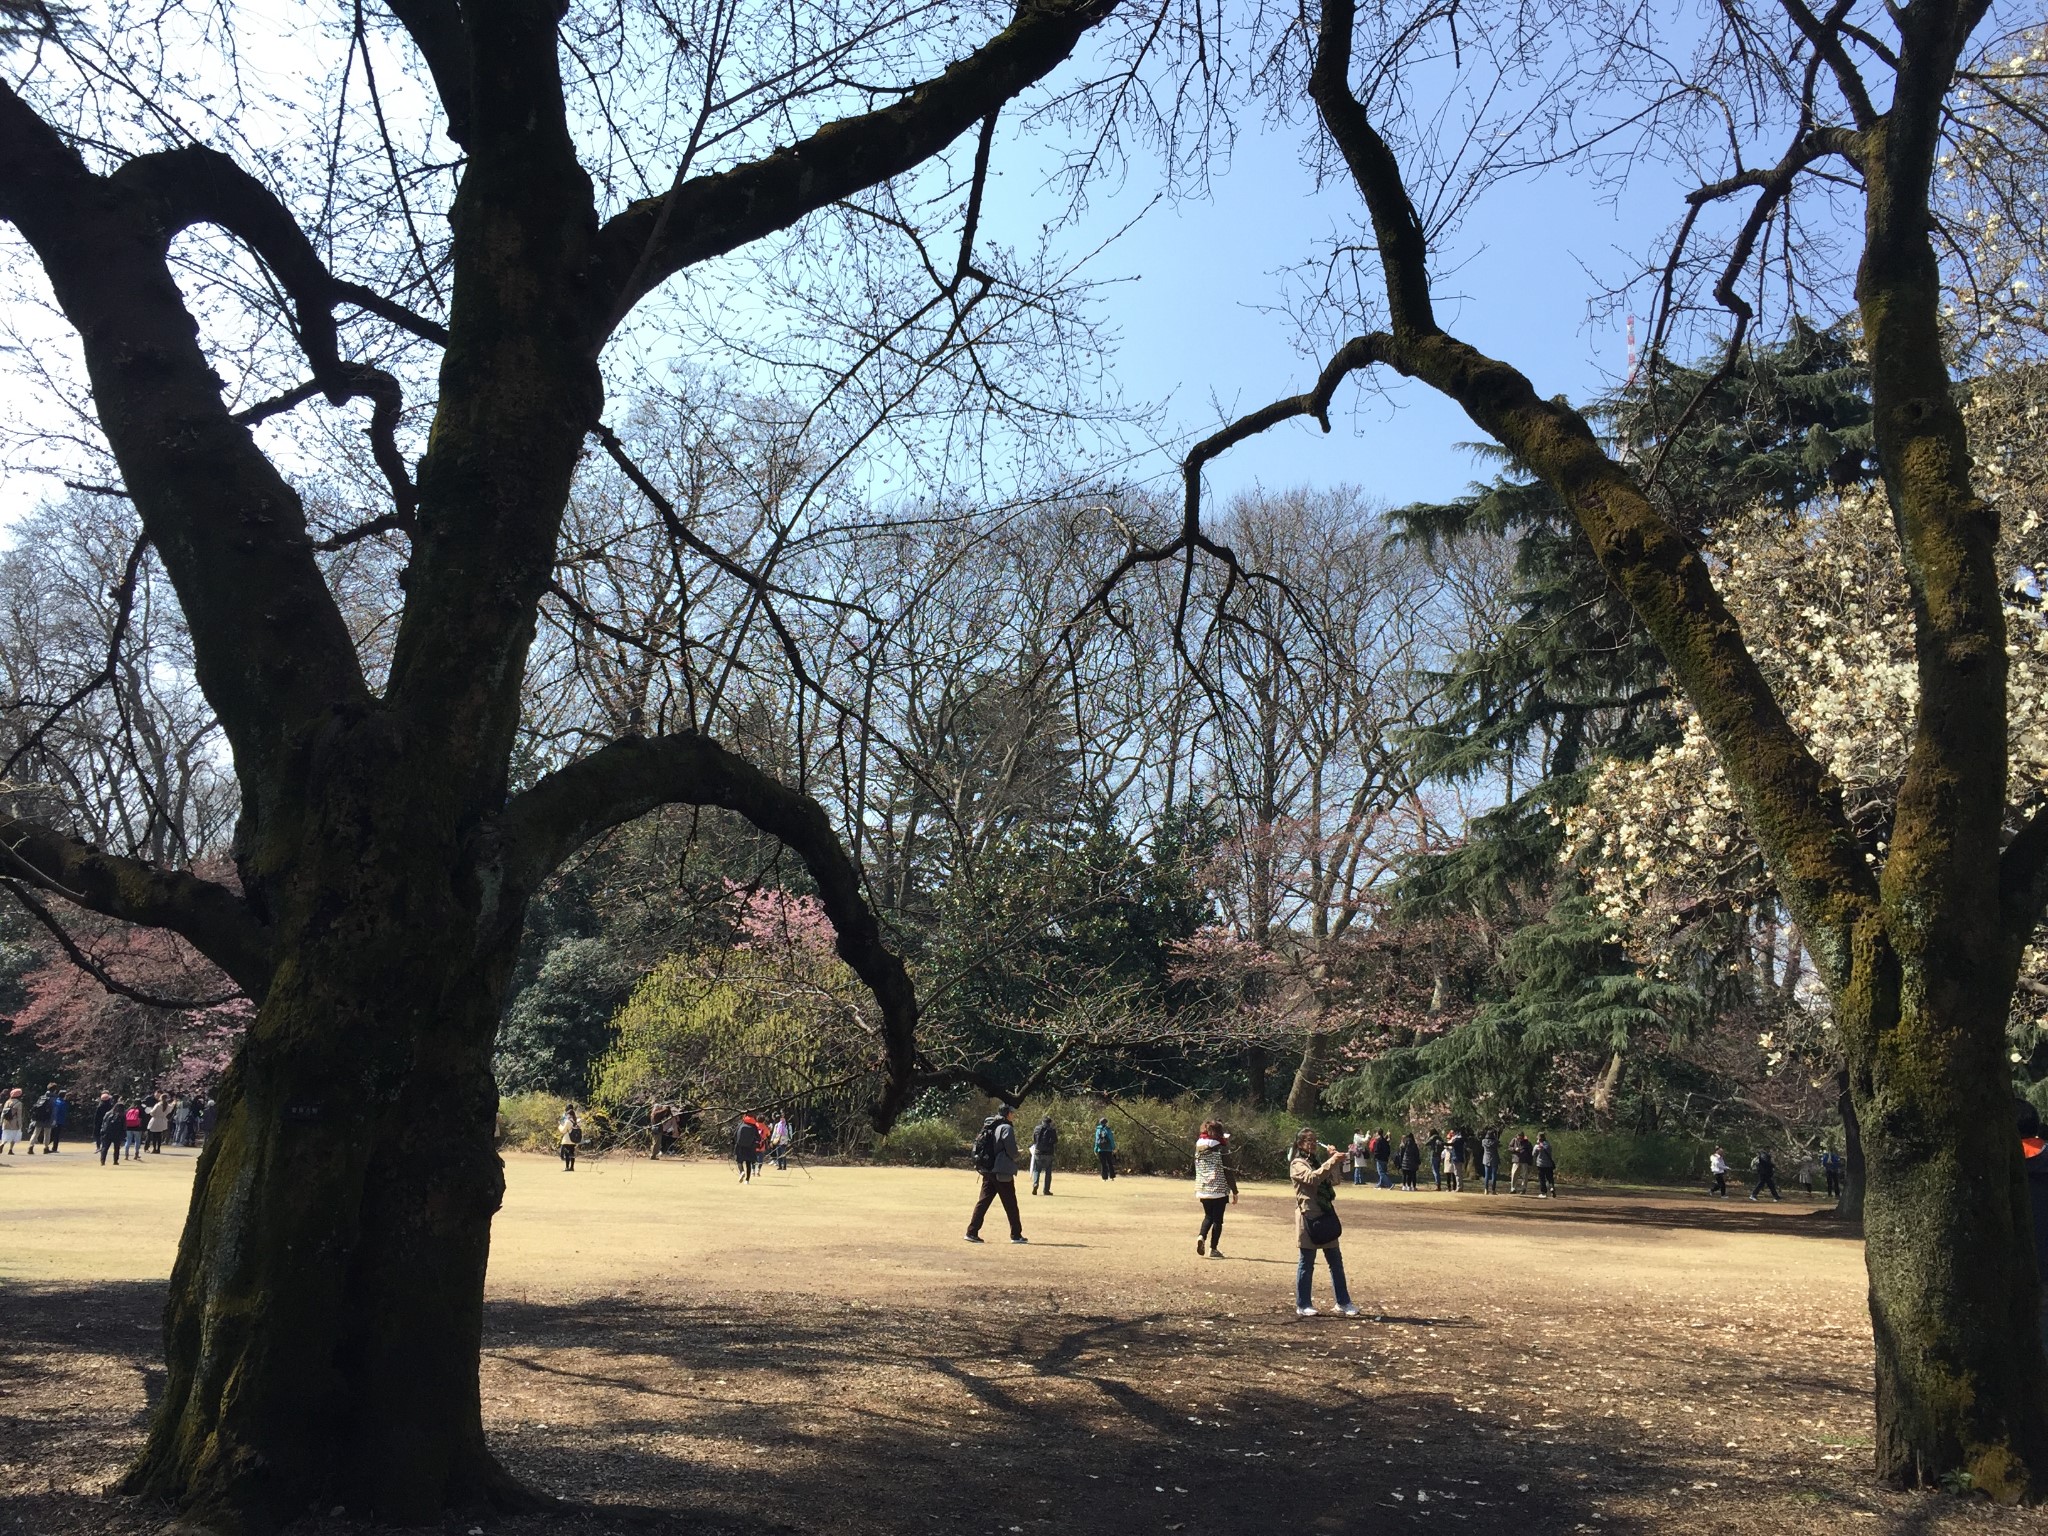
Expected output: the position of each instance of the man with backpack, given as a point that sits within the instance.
(995, 1159)
(39, 1127)
(1043, 1142)
(1382, 1149)
(1105, 1147)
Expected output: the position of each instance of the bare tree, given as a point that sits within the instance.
(325, 1315)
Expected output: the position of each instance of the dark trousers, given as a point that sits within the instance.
(1834, 1183)
(110, 1144)
(746, 1160)
(1108, 1161)
(1766, 1181)
(569, 1156)
(1546, 1181)
(1407, 1178)
(1492, 1172)
(1212, 1219)
(1720, 1184)
(993, 1189)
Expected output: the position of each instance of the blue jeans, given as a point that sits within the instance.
(1492, 1173)
(1385, 1182)
(1306, 1273)
(1358, 1173)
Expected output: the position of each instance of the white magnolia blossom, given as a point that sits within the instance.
(1822, 600)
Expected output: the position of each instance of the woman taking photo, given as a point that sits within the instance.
(1313, 1167)
(1215, 1185)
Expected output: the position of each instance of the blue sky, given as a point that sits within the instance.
(1530, 257)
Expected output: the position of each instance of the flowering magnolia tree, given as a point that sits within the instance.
(1822, 595)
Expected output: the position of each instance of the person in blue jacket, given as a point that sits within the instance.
(1105, 1147)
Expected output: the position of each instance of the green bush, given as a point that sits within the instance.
(922, 1144)
(1623, 1157)
(530, 1122)
(527, 1121)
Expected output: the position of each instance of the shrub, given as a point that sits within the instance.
(923, 1144)
(527, 1121)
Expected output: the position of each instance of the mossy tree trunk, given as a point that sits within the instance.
(1920, 954)
(325, 1312)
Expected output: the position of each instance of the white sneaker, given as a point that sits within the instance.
(1304, 1311)
(1348, 1311)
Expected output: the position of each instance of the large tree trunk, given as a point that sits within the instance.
(1961, 1379)
(325, 1313)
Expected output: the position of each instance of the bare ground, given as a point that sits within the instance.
(667, 1349)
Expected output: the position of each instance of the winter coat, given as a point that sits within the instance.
(1006, 1151)
(1045, 1138)
(1214, 1177)
(1313, 1193)
(1105, 1139)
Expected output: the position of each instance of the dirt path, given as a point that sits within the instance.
(819, 1352)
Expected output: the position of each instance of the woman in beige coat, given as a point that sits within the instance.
(1314, 1168)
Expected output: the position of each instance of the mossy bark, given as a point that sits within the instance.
(325, 1315)
(1962, 1387)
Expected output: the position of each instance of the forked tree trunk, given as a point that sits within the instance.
(1961, 1379)
(325, 1313)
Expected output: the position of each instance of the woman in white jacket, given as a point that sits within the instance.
(1215, 1185)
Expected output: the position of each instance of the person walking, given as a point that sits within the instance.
(1766, 1170)
(746, 1147)
(133, 1118)
(1045, 1140)
(1831, 1166)
(13, 1121)
(1215, 1185)
(1105, 1147)
(1717, 1165)
(209, 1113)
(1489, 1161)
(39, 1120)
(1545, 1160)
(569, 1131)
(1316, 1227)
(1382, 1153)
(1409, 1160)
(995, 1159)
(109, 1127)
(60, 1116)
(780, 1138)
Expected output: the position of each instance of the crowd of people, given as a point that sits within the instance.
(132, 1124)
(1451, 1158)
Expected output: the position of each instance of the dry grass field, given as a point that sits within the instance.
(820, 1352)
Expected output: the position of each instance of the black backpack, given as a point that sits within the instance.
(985, 1144)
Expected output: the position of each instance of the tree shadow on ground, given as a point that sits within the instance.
(865, 1419)
(1628, 1208)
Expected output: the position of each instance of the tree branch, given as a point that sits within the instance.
(76, 954)
(272, 652)
(929, 1076)
(617, 783)
(706, 216)
(213, 919)
(1785, 796)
